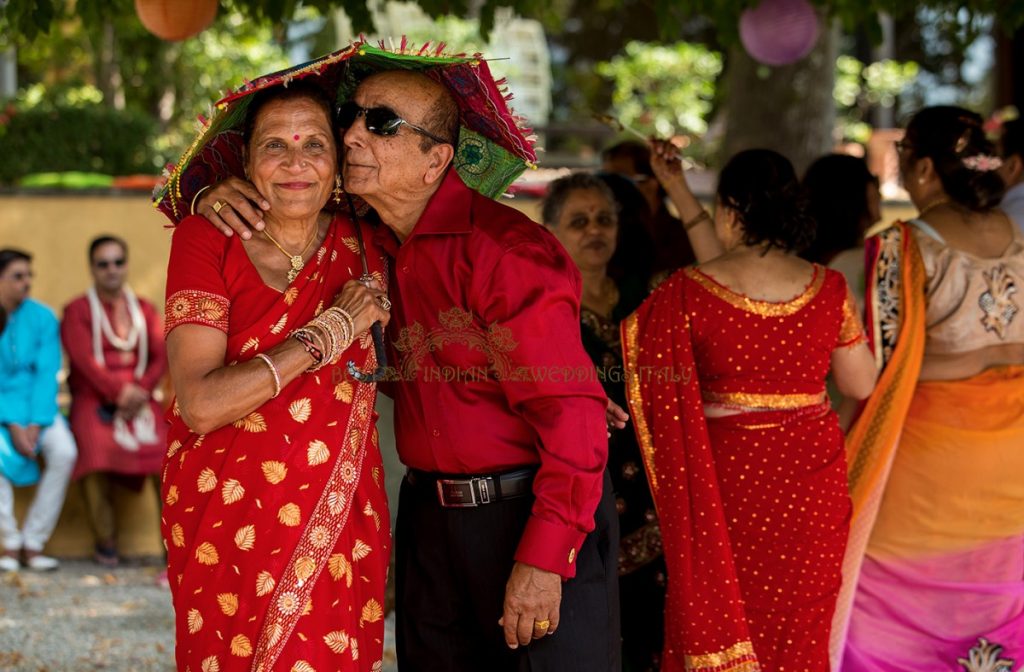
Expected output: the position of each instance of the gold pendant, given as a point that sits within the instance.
(297, 266)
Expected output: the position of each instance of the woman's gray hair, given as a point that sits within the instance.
(560, 189)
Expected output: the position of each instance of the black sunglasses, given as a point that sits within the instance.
(107, 263)
(381, 121)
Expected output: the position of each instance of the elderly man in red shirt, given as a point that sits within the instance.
(507, 534)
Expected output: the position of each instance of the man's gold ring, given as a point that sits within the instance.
(217, 205)
(384, 302)
(542, 625)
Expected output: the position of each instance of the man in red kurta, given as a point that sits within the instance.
(115, 345)
(507, 535)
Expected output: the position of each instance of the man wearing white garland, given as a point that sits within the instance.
(115, 346)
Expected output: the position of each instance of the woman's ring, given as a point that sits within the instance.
(542, 625)
(384, 302)
(217, 205)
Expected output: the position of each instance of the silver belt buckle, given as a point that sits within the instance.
(441, 482)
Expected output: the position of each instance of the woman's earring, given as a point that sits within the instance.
(337, 191)
(920, 180)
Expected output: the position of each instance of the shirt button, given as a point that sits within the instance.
(572, 555)
(437, 432)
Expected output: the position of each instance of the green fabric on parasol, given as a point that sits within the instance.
(494, 145)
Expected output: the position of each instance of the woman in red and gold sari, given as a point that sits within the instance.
(728, 363)
(275, 518)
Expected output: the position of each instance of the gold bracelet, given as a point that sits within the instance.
(192, 208)
(273, 371)
(690, 223)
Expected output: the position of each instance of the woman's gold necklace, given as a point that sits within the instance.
(931, 206)
(297, 263)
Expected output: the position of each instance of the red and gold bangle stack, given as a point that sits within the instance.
(327, 335)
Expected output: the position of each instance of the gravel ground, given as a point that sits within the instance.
(84, 618)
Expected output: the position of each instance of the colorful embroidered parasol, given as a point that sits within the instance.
(494, 145)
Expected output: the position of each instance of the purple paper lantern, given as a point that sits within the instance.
(779, 32)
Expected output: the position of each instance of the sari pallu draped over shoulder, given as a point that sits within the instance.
(895, 303)
(705, 624)
(276, 525)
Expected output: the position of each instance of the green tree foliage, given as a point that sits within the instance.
(663, 89)
(49, 138)
(859, 87)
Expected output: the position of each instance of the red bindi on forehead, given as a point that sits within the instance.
(295, 137)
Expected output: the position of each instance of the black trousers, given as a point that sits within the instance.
(451, 568)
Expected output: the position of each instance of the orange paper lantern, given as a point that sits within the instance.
(175, 20)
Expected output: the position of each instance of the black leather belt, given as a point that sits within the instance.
(458, 491)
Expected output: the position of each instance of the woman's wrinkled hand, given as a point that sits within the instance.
(233, 206)
(665, 162)
(366, 302)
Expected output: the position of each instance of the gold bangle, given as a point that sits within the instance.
(192, 208)
(273, 371)
(690, 223)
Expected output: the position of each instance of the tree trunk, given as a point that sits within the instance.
(789, 108)
(108, 68)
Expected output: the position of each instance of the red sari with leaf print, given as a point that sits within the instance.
(276, 526)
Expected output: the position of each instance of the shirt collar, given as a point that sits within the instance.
(449, 211)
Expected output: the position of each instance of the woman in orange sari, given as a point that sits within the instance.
(936, 553)
(745, 456)
(275, 518)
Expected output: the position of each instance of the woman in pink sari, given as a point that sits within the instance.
(936, 550)
(274, 516)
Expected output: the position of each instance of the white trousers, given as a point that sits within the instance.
(57, 446)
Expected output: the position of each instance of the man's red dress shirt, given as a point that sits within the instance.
(485, 335)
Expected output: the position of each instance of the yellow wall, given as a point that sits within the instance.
(57, 231)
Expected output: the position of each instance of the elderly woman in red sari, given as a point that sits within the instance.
(727, 365)
(275, 518)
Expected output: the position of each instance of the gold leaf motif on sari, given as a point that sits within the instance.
(275, 634)
(336, 502)
(360, 550)
(232, 491)
(279, 325)
(351, 243)
(173, 448)
(195, 621)
(177, 535)
(265, 583)
(245, 538)
(172, 496)
(210, 664)
(343, 392)
(206, 554)
(368, 511)
(240, 646)
(290, 515)
(302, 666)
(339, 567)
(317, 453)
(207, 480)
(337, 641)
(354, 648)
(372, 612)
(300, 409)
(274, 471)
(252, 423)
(304, 568)
(290, 295)
(252, 344)
(228, 603)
